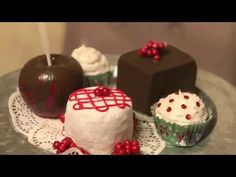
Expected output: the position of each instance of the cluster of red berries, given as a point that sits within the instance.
(152, 49)
(102, 91)
(128, 147)
(66, 143)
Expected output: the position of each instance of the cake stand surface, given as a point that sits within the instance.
(222, 140)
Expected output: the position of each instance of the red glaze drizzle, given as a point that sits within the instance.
(89, 100)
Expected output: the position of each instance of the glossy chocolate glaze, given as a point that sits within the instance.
(46, 89)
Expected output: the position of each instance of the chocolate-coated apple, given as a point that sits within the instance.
(45, 89)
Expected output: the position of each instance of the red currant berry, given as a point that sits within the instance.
(98, 92)
(62, 118)
(127, 146)
(67, 141)
(161, 45)
(144, 51)
(106, 91)
(72, 145)
(119, 146)
(56, 144)
(149, 44)
(134, 143)
(62, 148)
(127, 142)
(149, 53)
(135, 150)
(156, 57)
(154, 52)
(127, 151)
(120, 152)
(155, 45)
(114, 153)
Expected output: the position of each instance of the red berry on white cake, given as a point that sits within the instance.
(98, 92)
(106, 91)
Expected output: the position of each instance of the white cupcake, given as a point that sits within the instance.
(181, 118)
(95, 65)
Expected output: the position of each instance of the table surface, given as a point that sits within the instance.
(222, 139)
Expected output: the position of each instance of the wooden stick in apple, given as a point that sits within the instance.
(44, 41)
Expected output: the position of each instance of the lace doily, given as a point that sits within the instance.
(42, 132)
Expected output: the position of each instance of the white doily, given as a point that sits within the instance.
(42, 132)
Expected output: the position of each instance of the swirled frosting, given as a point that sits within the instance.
(92, 61)
(182, 108)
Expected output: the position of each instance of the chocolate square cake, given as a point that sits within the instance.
(146, 81)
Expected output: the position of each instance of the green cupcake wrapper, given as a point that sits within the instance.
(100, 79)
(181, 135)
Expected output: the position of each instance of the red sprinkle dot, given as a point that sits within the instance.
(171, 100)
(186, 97)
(168, 109)
(183, 106)
(198, 104)
(188, 117)
(159, 104)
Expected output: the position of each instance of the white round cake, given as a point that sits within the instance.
(97, 123)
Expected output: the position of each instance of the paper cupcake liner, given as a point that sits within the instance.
(181, 135)
(100, 79)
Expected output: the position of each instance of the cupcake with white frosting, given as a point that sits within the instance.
(95, 65)
(181, 118)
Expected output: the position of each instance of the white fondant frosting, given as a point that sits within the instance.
(92, 61)
(180, 107)
(96, 131)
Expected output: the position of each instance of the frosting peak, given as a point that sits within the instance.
(92, 61)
